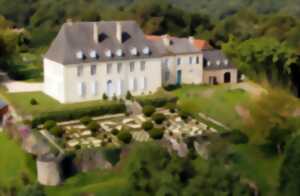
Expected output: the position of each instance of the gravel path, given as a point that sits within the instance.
(18, 87)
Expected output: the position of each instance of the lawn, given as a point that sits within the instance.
(102, 183)
(14, 163)
(218, 102)
(21, 102)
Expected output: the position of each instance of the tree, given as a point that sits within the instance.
(278, 138)
(32, 190)
(125, 136)
(289, 182)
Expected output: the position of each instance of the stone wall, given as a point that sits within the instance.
(217, 76)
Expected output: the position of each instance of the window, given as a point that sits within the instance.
(167, 75)
(131, 84)
(191, 60)
(178, 61)
(119, 67)
(81, 89)
(142, 83)
(93, 70)
(166, 62)
(79, 70)
(119, 87)
(208, 63)
(108, 68)
(143, 64)
(132, 66)
(197, 60)
(135, 84)
(226, 62)
(218, 62)
(95, 88)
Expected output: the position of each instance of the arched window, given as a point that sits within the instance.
(81, 89)
(109, 88)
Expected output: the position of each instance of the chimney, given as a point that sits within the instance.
(95, 33)
(191, 39)
(119, 32)
(166, 40)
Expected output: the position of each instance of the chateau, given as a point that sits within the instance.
(89, 59)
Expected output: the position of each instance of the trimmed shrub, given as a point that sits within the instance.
(93, 126)
(104, 96)
(86, 120)
(156, 133)
(157, 101)
(57, 131)
(171, 107)
(158, 118)
(128, 95)
(236, 137)
(148, 110)
(49, 124)
(72, 114)
(33, 101)
(125, 137)
(148, 125)
(115, 131)
(184, 115)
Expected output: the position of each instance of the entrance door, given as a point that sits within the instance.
(178, 77)
(109, 89)
(213, 80)
(227, 77)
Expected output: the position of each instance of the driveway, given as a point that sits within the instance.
(18, 87)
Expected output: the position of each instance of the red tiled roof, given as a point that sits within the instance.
(201, 44)
(153, 37)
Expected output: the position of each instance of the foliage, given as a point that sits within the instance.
(157, 100)
(86, 120)
(183, 114)
(93, 126)
(32, 190)
(290, 169)
(158, 118)
(148, 110)
(236, 137)
(156, 133)
(49, 124)
(57, 131)
(104, 96)
(125, 136)
(128, 95)
(147, 125)
(115, 131)
(111, 108)
(171, 107)
(33, 101)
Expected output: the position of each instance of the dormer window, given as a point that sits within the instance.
(108, 53)
(146, 50)
(218, 62)
(226, 62)
(79, 55)
(93, 54)
(119, 52)
(133, 51)
(208, 63)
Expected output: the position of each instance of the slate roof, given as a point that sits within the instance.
(78, 36)
(212, 56)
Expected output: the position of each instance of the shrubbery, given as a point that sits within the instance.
(128, 95)
(109, 108)
(157, 101)
(156, 133)
(93, 126)
(125, 137)
(158, 118)
(86, 120)
(171, 107)
(236, 137)
(57, 131)
(33, 101)
(148, 110)
(49, 124)
(148, 125)
(115, 131)
(184, 115)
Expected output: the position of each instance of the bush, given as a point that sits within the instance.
(158, 118)
(93, 126)
(57, 131)
(115, 131)
(72, 114)
(86, 120)
(236, 137)
(148, 125)
(171, 107)
(104, 96)
(49, 124)
(157, 101)
(156, 133)
(33, 101)
(128, 95)
(148, 110)
(184, 115)
(125, 137)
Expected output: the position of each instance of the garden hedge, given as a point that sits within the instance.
(157, 101)
(73, 114)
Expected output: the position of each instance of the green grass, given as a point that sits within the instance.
(21, 102)
(220, 105)
(99, 182)
(14, 163)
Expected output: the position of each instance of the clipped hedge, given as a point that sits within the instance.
(73, 114)
(157, 101)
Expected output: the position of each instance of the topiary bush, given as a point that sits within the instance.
(158, 118)
(171, 107)
(147, 125)
(184, 115)
(49, 124)
(128, 95)
(57, 131)
(125, 137)
(93, 126)
(115, 131)
(148, 110)
(104, 96)
(85, 120)
(156, 133)
(33, 101)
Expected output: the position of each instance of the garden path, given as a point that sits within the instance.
(18, 86)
